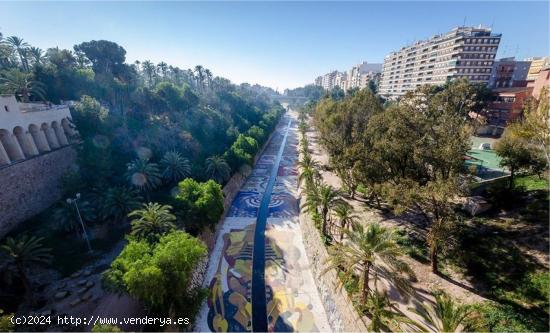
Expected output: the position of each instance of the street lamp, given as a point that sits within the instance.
(74, 201)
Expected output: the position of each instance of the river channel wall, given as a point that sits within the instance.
(341, 314)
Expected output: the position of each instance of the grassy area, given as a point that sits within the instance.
(532, 183)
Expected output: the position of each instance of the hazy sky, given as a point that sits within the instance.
(278, 44)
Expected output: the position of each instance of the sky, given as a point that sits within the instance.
(276, 44)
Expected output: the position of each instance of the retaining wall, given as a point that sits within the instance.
(30, 186)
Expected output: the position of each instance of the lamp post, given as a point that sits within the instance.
(85, 234)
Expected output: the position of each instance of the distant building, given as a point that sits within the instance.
(463, 52)
(29, 129)
(542, 81)
(507, 106)
(357, 77)
(508, 72)
(328, 80)
(537, 64)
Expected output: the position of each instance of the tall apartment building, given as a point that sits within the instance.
(463, 52)
(328, 80)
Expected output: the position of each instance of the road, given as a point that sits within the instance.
(258, 274)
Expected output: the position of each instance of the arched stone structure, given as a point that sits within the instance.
(67, 127)
(60, 134)
(11, 146)
(50, 136)
(39, 139)
(25, 141)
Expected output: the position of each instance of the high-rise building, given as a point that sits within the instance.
(357, 77)
(463, 52)
(508, 72)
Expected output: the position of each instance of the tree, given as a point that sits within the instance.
(328, 198)
(150, 70)
(21, 47)
(152, 221)
(445, 316)
(534, 126)
(143, 175)
(517, 155)
(66, 217)
(22, 85)
(159, 274)
(344, 214)
(23, 252)
(175, 167)
(383, 313)
(118, 202)
(199, 204)
(37, 55)
(106, 57)
(371, 251)
(217, 169)
(199, 74)
(100, 328)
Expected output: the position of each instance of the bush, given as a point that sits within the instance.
(199, 204)
(159, 274)
(494, 317)
(99, 328)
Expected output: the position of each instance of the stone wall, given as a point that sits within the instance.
(30, 186)
(341, 314)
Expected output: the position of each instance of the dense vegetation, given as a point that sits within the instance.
(155, 144)
(405, 159)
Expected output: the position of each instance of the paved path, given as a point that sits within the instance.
(290, 300)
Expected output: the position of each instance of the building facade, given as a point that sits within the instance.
(357, 77)
(508, 73)
(537, 64)
(30, 129)
(463, 52)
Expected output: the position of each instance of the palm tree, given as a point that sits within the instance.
(66, 218)
(445, 316)
(143, 175)
(208, 76)
(344, 213)
(309, 169)
(199, 75)
(217, 169)
(163, 68)
(328, 198)
(37, 55)
(384, 315)
(23, 252)
(370, 251)
(150, 70)
(175, 167)
(152, 221)
(20, 46)
(118, 202)
(21, 84)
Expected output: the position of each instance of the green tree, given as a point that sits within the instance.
(101, 328)
(159, 274)
(118, 202)
(21, 47)
(143, 175)
(445, 316)
(371, 251)
(175, 166)
(23, 252)
(106, 57)
(217, 169)
(517, 155)
(383, 313)
(152, 221)
(22, 85)
(344, 214)
(199, 204)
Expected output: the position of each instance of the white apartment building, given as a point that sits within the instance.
(328, 80)
(341, 80)
(463, 52)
